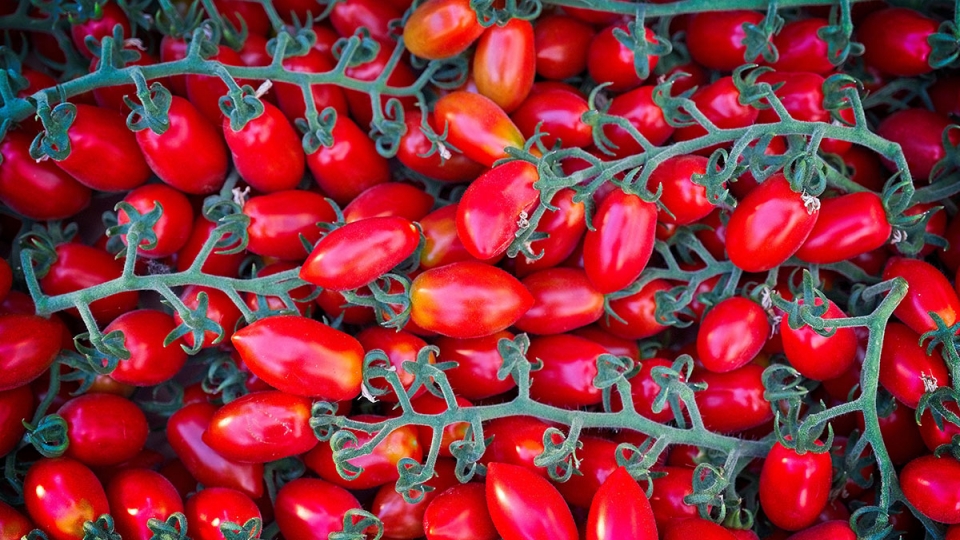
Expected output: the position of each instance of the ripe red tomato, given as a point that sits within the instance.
(933, 436)
(569, 367)
(220, 309)
(932, 486)
(504, 63)
(906, 370)
(442, 244)
(150, 362)
(138, 495)
(16, 406)
(205, 91)
(401, 76)
(403, 520)
(684, 201)
(668, 494)
(414, 145)
(279, 219)
(802, 96)
(334, 168)
(800, 47)
(563, 300)
(561, 44)
(99, 25)
(475, 376)
(441, 28)
(719, 101)
(491, 211)
(830, 530)
(400, 346)
(929, 292)
(905, 54)
(919, 133)
(820, 357)
(16, 525)
(266, 152)
(644, 390)
(467, 300)
(610, 61)
(347, 17)
(598, 460)
(524, 505)
(211, 507)
(37, 189)
(620, 509)
(217, 264)
(848, 226)
(312, 508)
(732, 334)
(62, 494)
(794, 487)
(261, 427)
(104, 429)
(28, 346)
(768, 226)
(290, 96)
(638, 312)
(638, 107)
(477, 126)
(733, 401)
(392, 199)
(715, 40)
(459, 512)
(174, 226)
(558, 112)
(695, 527)
(621, 242)
(564, 227)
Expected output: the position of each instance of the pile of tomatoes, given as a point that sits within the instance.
(454, 269)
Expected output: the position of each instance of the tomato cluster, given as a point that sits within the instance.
(451, 269)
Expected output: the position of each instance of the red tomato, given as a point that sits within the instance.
(668, 494)
(349, 16)
(253, 15)
(441, 28)
(261, 427)
(598, 460)
(275, 303)
(189, 138)
(919, 133)
(334, 168)
(621, 242)
(61, 495)
(932, 486)
(905, 54)
(37, 189)
(266, 152)
(278, 220)
(185, 430)
(830, 530)
(638, 312)
(801, 48)
(402, 520)
(379, 466)
(310, 508)
(733, 401)
(820, 357)
(610, 61)
(401, 76)
(389, 200)
(16, 406)
(220, 309)
(442, 244)
(933, 436)
(561, 44)
(414, 145)
(620, 509)
(563, 299)
(719, 101)
(715, 40)
(99, 25)
(399, 346)
(524, 505)
(504, 63)
(211, 507)
(28, 346)
(929, 292)
(112, 97)
(794, 487)
(492, 211)
(802, 96)
(644, 389)
(137, 496)
(685, 200)
(768, 226)
(477, 126)
(564, 227)
(906, 370)
(558, 113)
(150, 362)
(217, 264)
(475, 376)
(638, 108)
(900, 434)
(174, 226)
(205, 91)
(848, 226)
(104, 429)
(467, 299)
(16, 525)
(459, 512)
(696, 527)
(517, 440)
(301, 356)
(569, 367)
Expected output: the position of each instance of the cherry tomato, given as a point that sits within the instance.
(610, 61)
(442, 244)
(399, 346)
(638, 313)
(644, 389)
(932, 486)
(620, 509)
(732, 334)
(695, 528)
(261, 427)
(563, 299)
(919, 133)
(266, 152)
(561, 44)
(205, 91)
(311, 508)
(933, 436)
(668, 494)
(475, 376)
(414, 147)
(99, 25)
(848, 226)
(794, 487)
(905, 54)
(103, 429)
(733, 401)
(638, 107)
(61, 495)
(820, 357)
(218, 263)
(558, 114)
(524, 505)
(30, 344)
(492, 210)
(401, 76)
(16, 406)
(928, 292)
(335, 170)
(349, 16)
(278, 221)
(684, 201)
(392, 199)
(138, 495)
(173, 227)
(906, 370)
(211, 507)
(830, 530)
(564, 226)
(621, 242)
(800, 47)
(441, 28)
(569, 367)
(504, 63)
(802, 96)
(477, 126)
(220, 309)
(715, 40)
(150, 362)
(719, 101)
(37, 189)
(15, 525)
(253, 15)
(402, 520)
(459, 512)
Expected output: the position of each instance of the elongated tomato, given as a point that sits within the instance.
(495, 206)
(619, 247)
(261, 427)
(505, 62)
(848, 226)
(441, 29)
(267, 152)
(524, 505)
(477, 126)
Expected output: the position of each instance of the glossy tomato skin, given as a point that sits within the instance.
(768, 226)
(719, 101)
(261, 427)
(905, 54)
(800, 48)
(732, 334)
(138, 495)
(475, 376)
(400, 346)
(905, 367)
(205, 91)
(104, 429)
(347, 17)
(563, 300)
(467, 299)
(414, 147)
(933, 436)
(15, 525)
(459, 512)
(174, 226)
(150, 362)
(290, 96)
(266, 152)
(638, 311)
(334, 168)
(848, 226)
(695, 528)
(104, 154)
(359, 252)
(621, 243)
(401, 76)
(477, 126)
(524, 505)
(668, 494)
(61, 494)
(564, 226)
(311, 508)
(442, 244)
(277, 220)
(733, 401)
(37, 190)
(829, 530)
(561, 44)
(517, 440)
(211, 507)
(504, 63)
(560, 113)
(715, 40)
(919, 134)
(97, 27)
(820, 357)
(218, 264)
(932, 485)
(620, 509)
(28, 346)
(392, 199)
(403, 520)
(610, 61)
(441, 29)
(302, 356)
(491, 210)
(929, 291)
(185, 431)
(686, 201)
(794, 487)
(16, 406)
(220, 309)
(569, 367)
(638, 107)
(644, 389)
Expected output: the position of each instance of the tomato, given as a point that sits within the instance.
(610, 61)
(275, 303)
(732, 334)
(279, 219)
(205, 91)
(173, 227)
(402, 520)
(62, 494)
(475, 376)
(800, 47)
(441, 28)
(261, 427)
(524, 505)
(685, 202)
(936, 225)
(459, 512)
(414, 146)
(598, 460)
(191, 138)
(558, 113)
(150, 361)
(695, 528)
(334, 168)
(906, 370)
(217, 264)
(638, 312)
(932, 486)
(928, 292)
(802, 96)
(220, 309)
(621, 242)
(37, 189)
(900, 433)
(211, 507)
(933, 436)
(563, 299)
(103, 153)
(561, 44)
(266, 152)
(185, 430)
(668, 494)
(467, 299)
(569, 367)
(311, 508)
(644, 389)
(504, 63)
(399, 346)
(253, 16)
(16, 406)
(517, 440)
(442, 244)
(104, 429)
(715, 40)
(491, 212)
(733, 401)
(28, 346)
(919, 134)
(99, 25)
(794, 487)
(620, 509)
(389, 200)
(349, 16)
(905, 54)
(379, 466)
(112, 97)
(820, 357)
(401, 76)
(477, 126)
(719, 101)
(638, 107)
(138, 495)
(768, 226)
(848, 226)
(14, 525)
(830, 530)
(564, 226)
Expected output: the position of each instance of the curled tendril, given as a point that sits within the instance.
(710, 485)
(53, 141)
(49, 436)
(871, 522)
(356, 525)
(758, 39)
(344, 445)
(559, 452)
(250, 530)
(225, 379)
(837, 35)
(100, 529)
(174, 528)
(515, 363)
(412, 483)
(324, 420)
(468, 451)
(638, 461)
(139, 226)
(674, 387)
(490, 12)
(389, 299)
(196, 323)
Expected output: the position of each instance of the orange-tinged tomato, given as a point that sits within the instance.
(505, 63)
(477, 126)
(441, 28)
